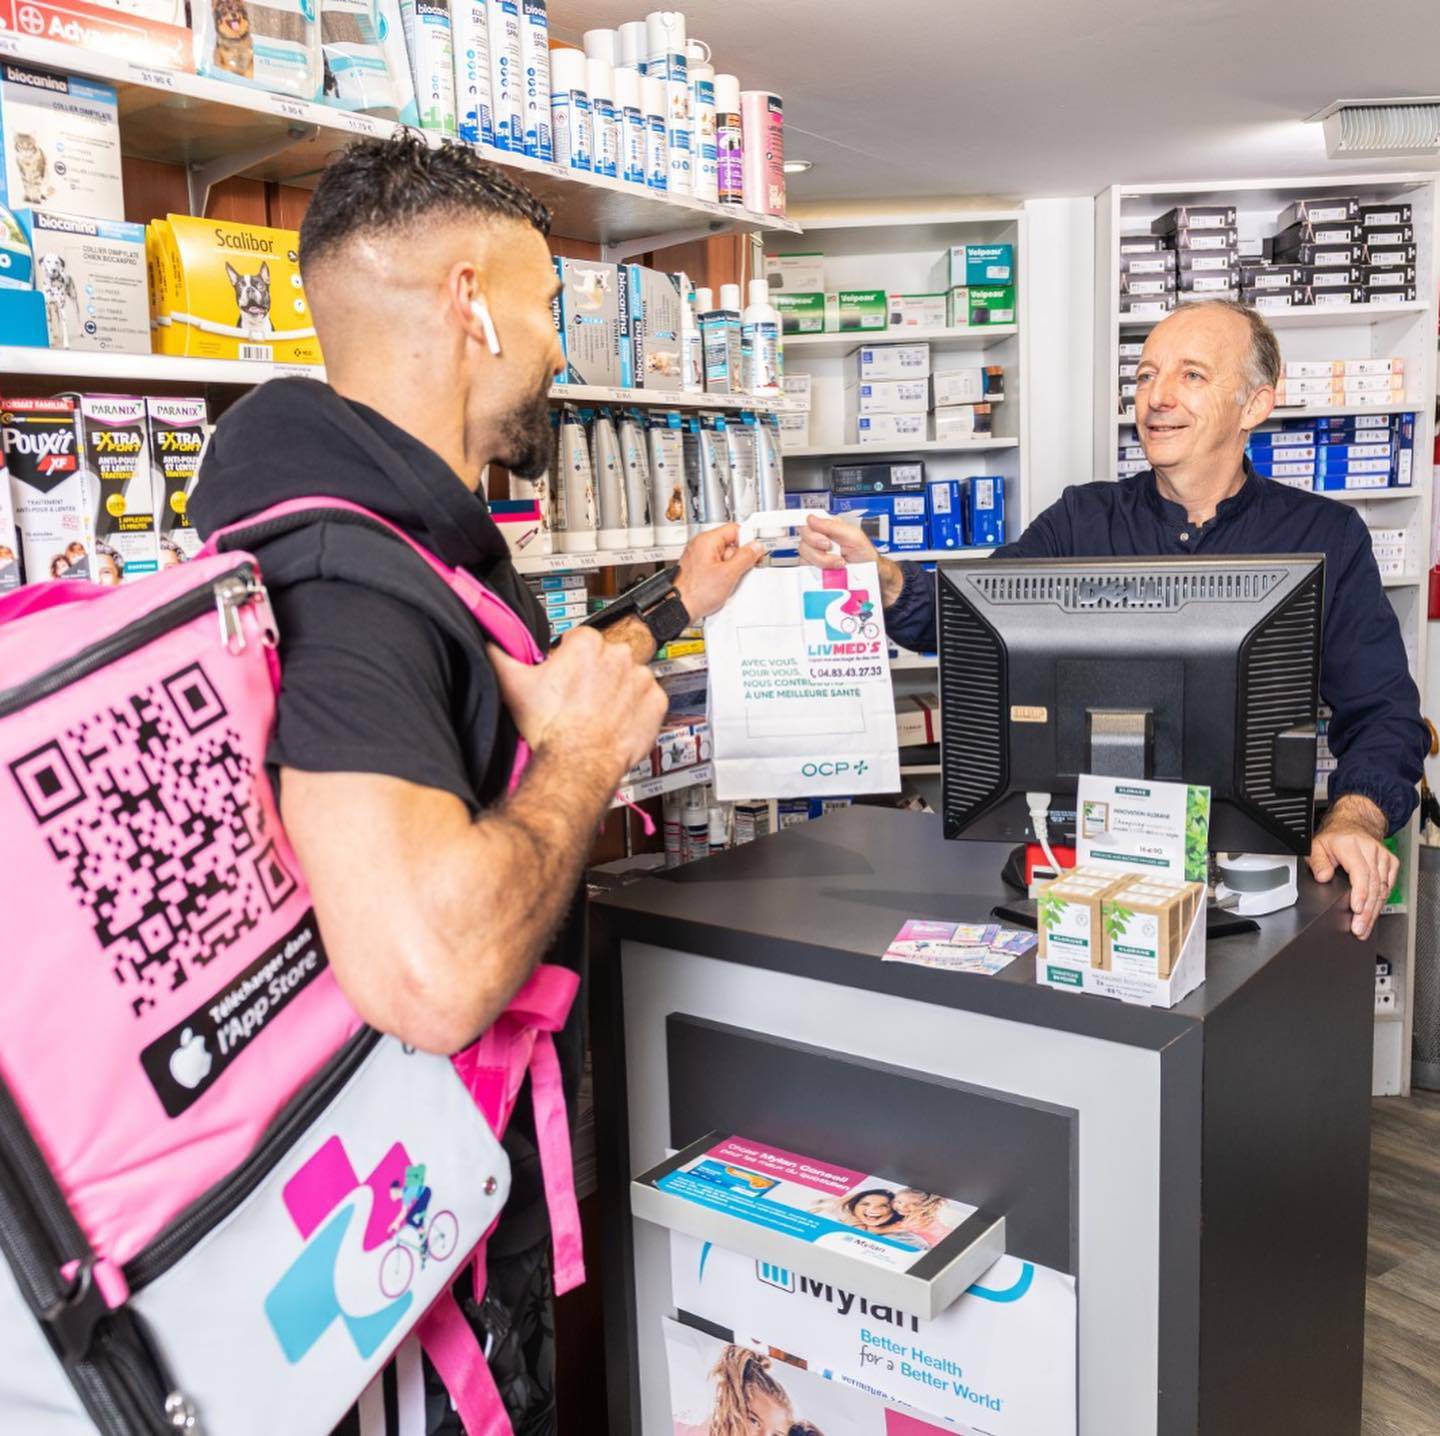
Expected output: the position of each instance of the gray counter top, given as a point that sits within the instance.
(825, 899)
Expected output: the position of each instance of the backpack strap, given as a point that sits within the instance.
(452, 1347)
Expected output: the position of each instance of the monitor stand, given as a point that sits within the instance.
(1218, 922)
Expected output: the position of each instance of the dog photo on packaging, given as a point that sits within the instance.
(275, 46)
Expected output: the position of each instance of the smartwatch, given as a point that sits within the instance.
(655, 601)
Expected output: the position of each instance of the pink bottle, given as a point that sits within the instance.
(762, 115)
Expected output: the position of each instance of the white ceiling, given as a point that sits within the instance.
(908, 98)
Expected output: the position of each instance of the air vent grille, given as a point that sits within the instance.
(1116, 589)
(1357, 131)
(973, 730)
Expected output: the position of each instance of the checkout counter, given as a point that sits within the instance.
(1201, 1171)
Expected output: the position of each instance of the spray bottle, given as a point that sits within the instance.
(763, 117)
(657, 145)
(720, 333)
(474, 114)
(600, 80)
(630, 121)
(729, 142)
(602, 45)
(719, 824)
(695, 831)
(673, 808)
(634, 45)
(760, 343)
(614, 530)
(535, 82)
(570, 110)
(740, 441)
(692, 350)
(576, 520)
(668, 509)
(636, 468)
(666, 33)
(702, 114)
(506, 88)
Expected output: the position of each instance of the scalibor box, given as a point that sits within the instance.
(865, 1233)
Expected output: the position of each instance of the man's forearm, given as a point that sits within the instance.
(892, 580)
(631, 633)
(1353, 812)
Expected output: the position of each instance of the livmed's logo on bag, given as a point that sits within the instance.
(364, 1242)
(837, 614)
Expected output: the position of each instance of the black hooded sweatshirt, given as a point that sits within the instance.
(372, 681)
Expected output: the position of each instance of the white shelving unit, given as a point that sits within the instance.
(941, 341)
(884, 451)
(667, 783)
(1359, 331)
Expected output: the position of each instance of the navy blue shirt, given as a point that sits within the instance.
(1376, 732)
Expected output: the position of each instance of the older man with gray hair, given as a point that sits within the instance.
(1206, 379)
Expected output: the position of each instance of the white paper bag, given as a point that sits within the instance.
(800, 697)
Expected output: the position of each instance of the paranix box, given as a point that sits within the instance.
(50, 487)
(91, 274)
(61, 141)
(116, 439)
(177, 439)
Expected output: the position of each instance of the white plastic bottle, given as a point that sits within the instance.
(760, 343)
(614, 529)
(575, 513)
(657, 141)
(602, 45)
(634, 45)
(695, 831)
(703, 134)
(674, 808)
(630, 119)
(669, 506)
(600, 82)
(637, 480)
(570, 109)
(666, 33)
(692, 348)
(719, 825)
(729, 142)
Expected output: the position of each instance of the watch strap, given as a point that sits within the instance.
(668, 619)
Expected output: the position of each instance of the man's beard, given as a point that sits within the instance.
(525, 437)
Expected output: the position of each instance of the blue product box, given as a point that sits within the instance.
(1327, 479)
(627, 290)
(22, 318)
(984, 511)
(1282, 438)
(896, 523)
(1278, 468)
(1342, 454)
(946, 508)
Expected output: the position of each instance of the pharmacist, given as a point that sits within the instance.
(1206, 378)
(430, 282)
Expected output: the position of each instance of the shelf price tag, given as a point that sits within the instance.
(291, 109)
(152, 79)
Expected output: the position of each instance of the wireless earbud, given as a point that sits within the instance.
(481, 311)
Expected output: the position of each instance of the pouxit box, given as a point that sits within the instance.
(945, 500)
(907, 476)
(653, 310)
(965, 264)
(60, 136)
(895, 523)
(800, 313)
(91, 275)
(959, 422)
(892, 361)
(974, 384)
(856, 309)
(981, 305)
(984, 510)
(115, 438)
(11, 575)
(177, 439)
(795, 273)
(50, 487)
(893, 429)
(590, 321)
(1320, 208)
(887, 396)
(917, 311)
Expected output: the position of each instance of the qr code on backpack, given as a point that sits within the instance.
(150, 807)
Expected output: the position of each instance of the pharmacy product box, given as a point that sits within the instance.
(796, 389)
(1327, 256)
(1157, 262)
(1315, 232)
(60, 136)
(961, 422)
(795, 273)
(887, 396)
(1402, 234)
(917, 720)
(1375, 276)
(11, 575)
(1390, 256)
(1207, 261)
(121, 31)
(543, 583)
(17, 262)
(965, 264)
(1344, 208)
(917, 311)
(1194, 217)
(523, 527)
(905, 477)
(856, 309)
(1320, 277)
(91, 273)
(945, 500)
(892, 429)
(984, 511)
(894, 522)
(22, 319)
(1386, 214)
(892, 361)
(115, 439)
(1164, 283)
(776, 1206)
(1146, 922)
(1391, 296)
(1070, 926)
(52, 491)
(1273, 276)
(1282, 438)
(1362, 474)
(654, 312)
(1213, 241)
(978, 306)
(800, 313)
(794, 431)
(590, 321)
(1146, 306)
(1220, 285)
(1295, 296)
(1142, 244)
(720, 341)
(1279, 465)
(1340, 298)
(974, 384)
(177, 439)
(1131, 348)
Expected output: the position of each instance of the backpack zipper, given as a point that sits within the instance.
(228, 594)
(209, 1210)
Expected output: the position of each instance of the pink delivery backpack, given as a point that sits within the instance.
(224, 1201)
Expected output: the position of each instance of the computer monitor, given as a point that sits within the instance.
(1204, 671)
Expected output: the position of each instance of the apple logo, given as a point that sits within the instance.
(190, 1063)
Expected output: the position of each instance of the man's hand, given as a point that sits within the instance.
(711, 567)
(829, 542)
(1350, 838)
(589, 701)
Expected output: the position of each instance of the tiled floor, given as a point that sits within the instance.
(1402, 1317)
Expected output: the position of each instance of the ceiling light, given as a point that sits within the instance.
(798, 167)
(1382, 129)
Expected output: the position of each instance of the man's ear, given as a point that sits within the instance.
(1258, 407)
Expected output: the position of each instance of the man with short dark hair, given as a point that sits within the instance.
(1206, 379)
(436, 889)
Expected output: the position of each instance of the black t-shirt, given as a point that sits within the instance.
(370, 682)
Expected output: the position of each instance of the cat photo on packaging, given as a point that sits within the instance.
(34, 169)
